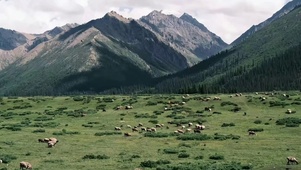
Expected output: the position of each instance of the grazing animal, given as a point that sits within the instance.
(127, 134)
(153, 129)
(252, 133)
(197, 130)
(291, 160)
(41, 140)
(180, 131)
(158, 125)
(289, 111)
(200, 127)
(140, 124)
(188, 130)
(143, 128)
(51, 144)
(1, 161)
(128, 107)
(117, 128)
(190, 124)
(25, 165)
(135, 130)
(128, 126)
(208, 109)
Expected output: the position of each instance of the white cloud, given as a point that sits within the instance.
(228, 19)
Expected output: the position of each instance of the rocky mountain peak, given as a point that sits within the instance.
(114, 14)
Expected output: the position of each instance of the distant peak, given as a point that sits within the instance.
(118, 16)
(186, 15)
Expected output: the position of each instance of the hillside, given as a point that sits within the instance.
(238, 69)
(110, 52)
(283, 11)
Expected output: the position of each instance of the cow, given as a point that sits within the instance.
(252, 132)
(291, 160)
(25, 165)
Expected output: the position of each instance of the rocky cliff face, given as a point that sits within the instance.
(184, 34)
(283, 11)
(10, 39)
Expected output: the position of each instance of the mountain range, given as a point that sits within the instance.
(157, 53)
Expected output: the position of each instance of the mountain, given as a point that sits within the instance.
(268, 60)
(185, 34)
(15, 45)
(110, 52)
(283, 11)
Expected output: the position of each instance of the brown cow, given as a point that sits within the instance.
(25, 165)
(292, 160)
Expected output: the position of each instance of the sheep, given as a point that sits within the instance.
(197, 130)
(127, 134)
(190, 124)
(41, 140)
(183, 127)
(140, 124)
(128, 126)
(200, 127)
(153, 129)
(134, 130)
(51, 144)
(25, 165)
(180, 131)
(216, 98)
(55, 140)
(188, 130)
(1, 161)
(143, 128)
(117, 128)
(128, 107)
(158, 125)
(207, 109)
(289, 111)
(252, 133)
(292, 160)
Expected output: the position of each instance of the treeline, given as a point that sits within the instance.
(282, 72)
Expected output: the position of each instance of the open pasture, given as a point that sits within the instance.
(85, 127)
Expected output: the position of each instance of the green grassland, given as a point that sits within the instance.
(84, 126)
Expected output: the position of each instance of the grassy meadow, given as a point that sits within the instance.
(84, 126)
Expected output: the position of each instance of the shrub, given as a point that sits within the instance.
(199, 157)
(153, 164)
(288, 120)
(292, 125)
(194, 137)
(227, 124)
(256, 129)
(157, 112)
(39, 131)
(154, 121)
(278, 103)
(7, 158)
(236, 109)
(156, 135)
(183, 155)
(217, 113)
(216, 157)
(91, 156)
(257, 121)
(185, 145)
(151, 103)
(135, 156)
(78, 98)
(107, 133)
(228, 103)
(170, 151)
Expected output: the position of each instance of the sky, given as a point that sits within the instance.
(226, 18)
